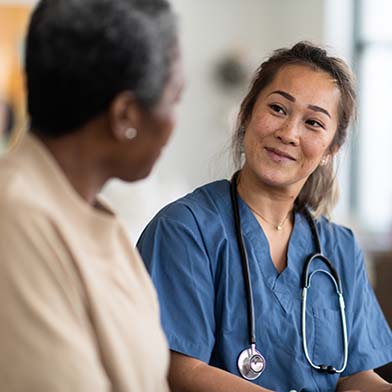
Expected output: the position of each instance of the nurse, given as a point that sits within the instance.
(291, 125)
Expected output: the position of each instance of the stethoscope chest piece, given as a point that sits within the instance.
(251, 363)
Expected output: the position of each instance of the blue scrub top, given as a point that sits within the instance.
(191, 252)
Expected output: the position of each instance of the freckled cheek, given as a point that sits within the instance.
(262, 126)
(256, 135)
(259, 130)
(251, 143)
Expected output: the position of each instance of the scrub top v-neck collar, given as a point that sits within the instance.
(300, 244)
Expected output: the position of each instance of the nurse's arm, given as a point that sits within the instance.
(189, 374)
(364, 382)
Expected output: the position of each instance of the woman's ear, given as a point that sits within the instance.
(334, 151)
(124, 114)
(329, 154)
(325, 160)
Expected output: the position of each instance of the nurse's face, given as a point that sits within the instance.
(291, 127)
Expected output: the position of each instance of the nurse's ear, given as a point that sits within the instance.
(329, 155)
(324, 160)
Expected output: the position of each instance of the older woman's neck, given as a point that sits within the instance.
(80, 160)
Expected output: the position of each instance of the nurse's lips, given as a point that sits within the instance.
(278, 155)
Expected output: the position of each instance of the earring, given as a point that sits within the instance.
(323, 162)
(130, 133)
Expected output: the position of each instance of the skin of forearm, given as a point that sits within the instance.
(367, 381)
(191, 375)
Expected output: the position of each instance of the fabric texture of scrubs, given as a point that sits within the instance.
(191, 252)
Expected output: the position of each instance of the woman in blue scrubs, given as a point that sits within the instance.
(291, 124)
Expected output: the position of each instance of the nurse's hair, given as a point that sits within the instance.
(80, 54)
(320, 190)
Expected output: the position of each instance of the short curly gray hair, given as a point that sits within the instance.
(81, 53)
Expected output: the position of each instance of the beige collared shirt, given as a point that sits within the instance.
(77, 309)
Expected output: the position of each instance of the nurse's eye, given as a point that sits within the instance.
(277, 108)
(315, 124)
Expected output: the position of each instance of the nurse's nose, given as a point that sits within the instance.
(288, 133)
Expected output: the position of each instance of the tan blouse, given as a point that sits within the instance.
(77, 309)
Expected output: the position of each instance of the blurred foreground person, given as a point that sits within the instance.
(77, 309)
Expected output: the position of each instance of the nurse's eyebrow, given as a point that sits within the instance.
(318, 109)
(284, 94)
(315, 108)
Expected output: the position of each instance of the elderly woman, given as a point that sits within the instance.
(258, 290)
(77, 309)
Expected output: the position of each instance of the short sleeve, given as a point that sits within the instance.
(370, 341)
(178, 263)
(44, 334)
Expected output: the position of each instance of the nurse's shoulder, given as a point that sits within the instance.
(193, 225)
(201, 207)
(340, 244)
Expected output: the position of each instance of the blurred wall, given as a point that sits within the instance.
(211, 30)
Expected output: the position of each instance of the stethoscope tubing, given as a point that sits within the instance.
(244, 261)
(328, 369)
(306, 282)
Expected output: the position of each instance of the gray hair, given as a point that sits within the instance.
(81, 53)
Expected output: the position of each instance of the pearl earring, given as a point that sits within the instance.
(323, 162)
(130, 133)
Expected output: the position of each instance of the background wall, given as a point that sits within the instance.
(211, 30)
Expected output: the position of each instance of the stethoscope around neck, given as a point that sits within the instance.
(251, 363)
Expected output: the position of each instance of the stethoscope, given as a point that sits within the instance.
(251, 364)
